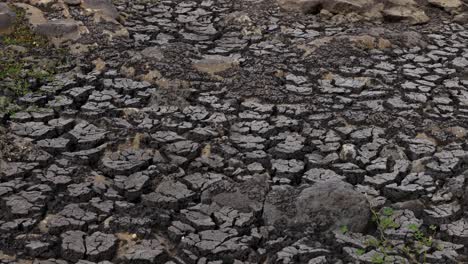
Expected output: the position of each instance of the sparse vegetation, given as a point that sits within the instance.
(20, 71)
(22, 34)
(415, 248)
(344, 229)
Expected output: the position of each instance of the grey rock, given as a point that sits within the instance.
(443, 213)
(326, 205)
(457, 231)
(289, 169)
(38, 249)
(73, 245)
(35, 130)
(145, 252)
(246, 196)
(125, 162)
(7, 19)
(318, 175)
(86, 136)
(169, 194)
(105, 7)
(58, 28)
(100, 246)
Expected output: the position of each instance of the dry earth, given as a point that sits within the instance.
(233, 131)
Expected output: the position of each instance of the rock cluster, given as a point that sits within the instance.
(406, 10)
(64, 23)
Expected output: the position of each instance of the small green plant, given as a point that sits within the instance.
(344, 229)
(7, 107)
(360, 252)
(27, 61)
(21, 34)
(378, 258)
(416, 247)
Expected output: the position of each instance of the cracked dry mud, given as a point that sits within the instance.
(226, 131)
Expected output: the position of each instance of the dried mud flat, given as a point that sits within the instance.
(223, 131)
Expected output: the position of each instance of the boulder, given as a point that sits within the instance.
(461, 18)
(61, 30)
(406, 13)
(34, 15)
(7, 19)
(104, 7)
(58, 28)
(446, 4)
(324, 206)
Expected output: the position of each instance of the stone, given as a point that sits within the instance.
(169, 194)
(24, 203)
(409, 13)
(178, 229)
(287, 168)
(186, 148)
(7, 19)
(125, 162)
(35, 130)
(80, 94)
(50, 261)
(460, 62)
(86, 136)
(60, 28)
(194, 216)
(213, 64)
(135, 184)
(348, 152)
(447, 252)
(419, 148)
(456, 231)
(461, 18)
(412, 186)
(70, 218)
(16, 169)
(104, 7)
(100, 246)
(80, 191)
(72, 2)
(318, 175)
(223, 242)
(34, 15)
(442, 214)
(38, 248)
(300, 251)
(73, 245)
(446, 4)
(54, 146)
(248, 142)
(325, 205)
(291, 147)
(86, 157)
(405, 221)
(144, 251)
(247, 196)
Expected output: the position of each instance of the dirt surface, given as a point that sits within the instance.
(221, 131)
